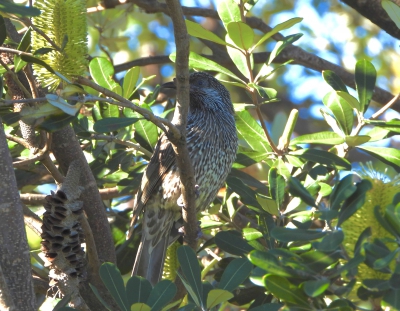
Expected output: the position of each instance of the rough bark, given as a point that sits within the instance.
(14, 250)
(66, 149)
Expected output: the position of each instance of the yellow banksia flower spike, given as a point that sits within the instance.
(64, 22)
(171, 263)
(382, 194)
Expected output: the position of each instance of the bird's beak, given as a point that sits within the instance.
(169, 85)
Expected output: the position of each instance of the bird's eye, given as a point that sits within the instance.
(200, 83)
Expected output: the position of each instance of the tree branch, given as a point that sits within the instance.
(299, 56)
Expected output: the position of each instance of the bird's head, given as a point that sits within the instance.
(206, 93)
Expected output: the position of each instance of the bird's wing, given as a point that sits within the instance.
(161, 161)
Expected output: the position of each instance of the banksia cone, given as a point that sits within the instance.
(381, 194)
(64, 22)
(62, 238)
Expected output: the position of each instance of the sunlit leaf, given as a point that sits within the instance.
(280, 45)
(130, 80)
(389, 156)
(241, 34)
(282, 26)
(315, 288)
(334, 80)
(228, 11)
(365, 77)
(325, 138)
(102, 72)
(282, 288)
(199, 62)
(288, 235)
(341, 109)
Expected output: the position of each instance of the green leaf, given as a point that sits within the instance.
(264, 92)
(199, 62)
(241, 34)
(19, 10)
(354, 202)
(282, 288)
(251, 234)
(251, 132)
(287, 235)
(245, 158)
(326, 138)
(102, 72)
(130, 80)
(247, 195)
(316, 288)
(385, 261)
(234, 274)
(239, 59)
(196, 30)
(330, 242)
(42, 51)
(146, 133)
(280, 45)
(341, 109)
(334, 80)
(228, 11)
(217, 296)
(269, 263)
(3, 31)
(298, 190)
(389, 156)
(351, 100)
(137, 290)
(277, 186)
(38, 61)
(318, 261)
(112, 124)
(323, 157)
(99, 297)
(63, 105)
(393, 10)
(232, 242)
(23, 46)
(140, 307)
(191, 271)
(162, 293)
(354, 141)
(382, 221)
(113, 281)
(343, 190)
(56, 122)
(365, 77)
(392, 297)
(392, 216)
(282, 26)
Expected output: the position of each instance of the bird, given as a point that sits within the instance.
(212, 144)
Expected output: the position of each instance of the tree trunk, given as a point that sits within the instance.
(14, 250)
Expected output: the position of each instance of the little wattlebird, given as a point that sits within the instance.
(212, 144)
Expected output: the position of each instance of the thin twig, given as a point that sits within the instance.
(18, 140)
(93, 258)
(13, 51)
(384, 108)
(32, 220)
(28, 23)
(123, 102)
(16, 80)
(121, 142)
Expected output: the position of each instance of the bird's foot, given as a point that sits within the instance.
(196, 195)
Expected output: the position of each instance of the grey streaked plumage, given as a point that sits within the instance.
(212, 144)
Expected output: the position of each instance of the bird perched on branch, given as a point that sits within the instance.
(212, 144)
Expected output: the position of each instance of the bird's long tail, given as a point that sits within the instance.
(150, 259)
